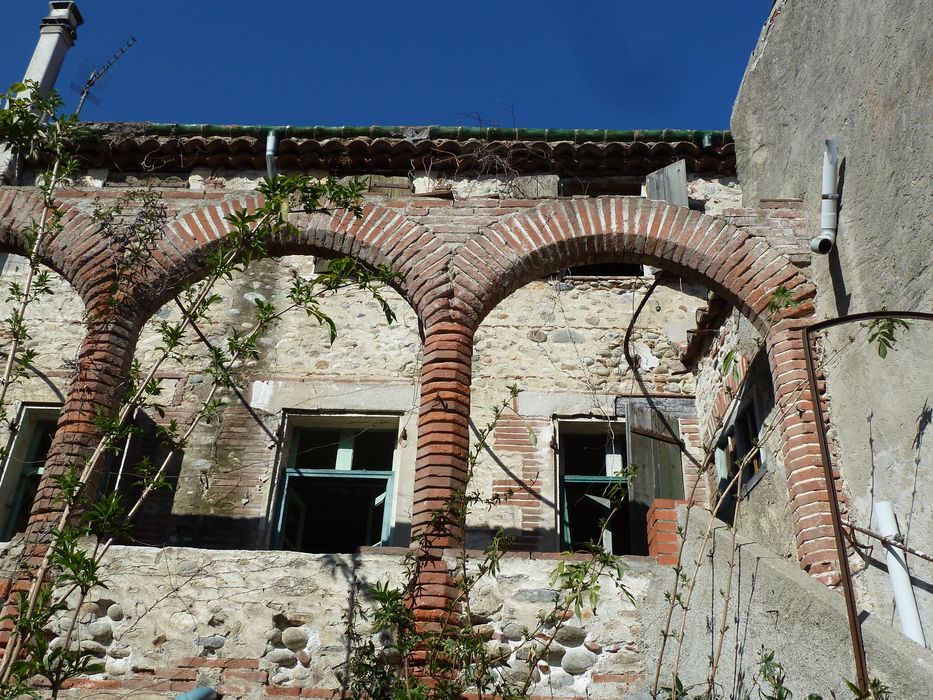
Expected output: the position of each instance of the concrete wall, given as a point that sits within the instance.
(775, 608)
(858, 72)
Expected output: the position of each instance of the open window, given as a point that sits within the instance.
(737, 448)
(619, 468)
(593, 485)
(30, 440)
(737, 442)
(336, 489)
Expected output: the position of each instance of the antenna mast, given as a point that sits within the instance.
(98, 73)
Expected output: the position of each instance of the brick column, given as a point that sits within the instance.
(441, 465)
(663, 539)
(806, 487)
(97, 386)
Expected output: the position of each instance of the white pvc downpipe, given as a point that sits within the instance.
(829, 200)
(270, 153)
(899, 576)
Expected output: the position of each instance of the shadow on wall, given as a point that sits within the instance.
(32, 371)
(540, 540)
(841, 295)
(153, 526)
(865, 550)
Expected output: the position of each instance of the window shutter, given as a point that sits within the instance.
(659, 470)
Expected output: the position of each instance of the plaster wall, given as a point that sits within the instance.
(886, 456)
(773, 607)
(859, 73)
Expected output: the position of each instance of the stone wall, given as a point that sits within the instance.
(257, 625)
(490, 247)
(270, 624)
(57, 330)
(475, 272)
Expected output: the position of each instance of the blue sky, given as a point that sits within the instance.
(588, 64)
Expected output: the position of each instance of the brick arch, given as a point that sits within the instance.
(79, 253)
(85, 258)
(380, 236)
(743, 268)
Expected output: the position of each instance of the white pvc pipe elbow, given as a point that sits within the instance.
(899, 575)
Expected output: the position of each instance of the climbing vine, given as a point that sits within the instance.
(453, 657)
(68, 567)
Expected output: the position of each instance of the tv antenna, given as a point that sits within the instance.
(97, 74)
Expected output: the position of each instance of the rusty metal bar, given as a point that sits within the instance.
(887, 540)
(855, 628)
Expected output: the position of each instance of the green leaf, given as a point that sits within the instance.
(532, 438)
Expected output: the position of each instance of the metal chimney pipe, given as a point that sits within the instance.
(57, 34)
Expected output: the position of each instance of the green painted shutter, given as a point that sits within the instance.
(659, 470)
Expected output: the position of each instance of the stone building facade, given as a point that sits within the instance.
(522, 257)
(494, 290)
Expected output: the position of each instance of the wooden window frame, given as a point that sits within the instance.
(351, 427)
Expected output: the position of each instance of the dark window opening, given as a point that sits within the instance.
(337, 489)
(607, 270)
(618, 468)
(599, 186)
(41, 432)
(737, 448)
(333, 515)
(594, 488)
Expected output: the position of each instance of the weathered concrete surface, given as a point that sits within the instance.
(858, 72)
(777, 607)
(887, 455)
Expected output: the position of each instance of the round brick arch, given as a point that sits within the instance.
(79, 252)
(86, 258)
(744, 269)
(452, 290)
(379, 237)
